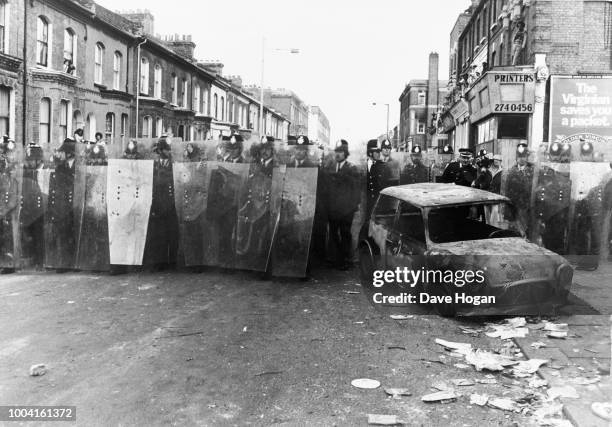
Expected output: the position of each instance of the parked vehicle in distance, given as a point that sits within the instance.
(443, 229)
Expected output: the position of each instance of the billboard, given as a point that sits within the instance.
(580, 104)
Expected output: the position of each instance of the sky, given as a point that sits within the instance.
(352, 53)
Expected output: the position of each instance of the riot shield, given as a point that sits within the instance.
(11, 173)
(60, 221)
(551, 205)
(396, 165)
(586, 211)
(258, 210)
(294, 229)
(93, 241)
(193, 151)
(226, 182)
(191, 193)
(129, 189)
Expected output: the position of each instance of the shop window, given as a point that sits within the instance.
(512, 127)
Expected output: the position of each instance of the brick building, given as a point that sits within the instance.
(80, 65)
(318, 126)
(419, 102)
(500, 90)
(290, 105)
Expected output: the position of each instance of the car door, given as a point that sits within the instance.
(406, 244)
(382, 223)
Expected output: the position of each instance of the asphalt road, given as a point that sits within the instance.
(223, 348)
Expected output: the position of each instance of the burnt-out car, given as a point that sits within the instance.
(445, 231)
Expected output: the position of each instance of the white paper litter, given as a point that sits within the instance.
(556, 327)
(503, 404)
(458, 347)
(365, 383)
(462, 382)
(478, 399)
(486, 360)
(440, 396)
(384, 420)
(398, 392)
(566, 391)
(538, 344)
(525, 368)
(401, 316)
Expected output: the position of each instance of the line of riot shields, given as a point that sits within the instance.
(108, 205)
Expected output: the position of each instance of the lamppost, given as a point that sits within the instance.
(387, 105)
(261, 89)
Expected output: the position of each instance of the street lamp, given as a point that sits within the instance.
(261, 89)
(387, 105)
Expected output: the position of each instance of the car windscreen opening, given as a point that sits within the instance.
(473, 222)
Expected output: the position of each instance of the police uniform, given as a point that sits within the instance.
(342, 201)
(131, 151)
(191, 153)
(162, 235)
(588, 220)
(33, 203)
(458, 173)
(415, 172)
(301, 143)
(393, 166)
(519, 184)
(233, 142)
(436, 170)
(377, 175)
(484, 176)
(60, 235)
(8, 204)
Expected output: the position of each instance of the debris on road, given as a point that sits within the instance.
(38, 370)
(461, 366)
(352, 292)
(556, 327)
(146, 287)
(365, 383)
(396, 347)
(397, 393)
(557, 334)
(507, 331)
(462, 382)
(441, 385)
(602, 410)
(562, 391)
(482, 359)
(478, 399)
(538, 344)
(458, 347)
(536, 382)
(384, 420)
(486, 381)
(470, 331)
(441, 396)
(525, 368)
(401, 316)
(503, 403)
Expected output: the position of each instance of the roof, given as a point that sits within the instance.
(433, 195)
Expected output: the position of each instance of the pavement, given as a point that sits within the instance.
(226, 348)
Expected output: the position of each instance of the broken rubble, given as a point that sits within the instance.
(396, 393)
(384, 420)
(440, 396)
(486, 360)
(525, 368)
(38, 370)
(566, 391)
(479, 399)
(503, 403)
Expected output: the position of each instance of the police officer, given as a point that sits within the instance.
(342, 201)
(551, 203)
(264, 155)
(162, 236)
(377, 174)
(588, 219)
(60, 237)
(519, 184)
(436, 170)
(415, 172)
(191, 153)
(233, 149)
(484, 177)
(31, 216)
(393, 166)
(8, 205)
(96, 156)
(300, 156)
(460, 172)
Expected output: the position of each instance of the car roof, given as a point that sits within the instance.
(434, 195)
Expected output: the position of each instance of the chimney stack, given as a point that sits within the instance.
(181, 44)
(214, 67)
(143, 18)
(432, 88)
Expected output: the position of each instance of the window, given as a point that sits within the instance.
(64, 117)
(117, 59)
(174, 89)
(109, 128)
(157, 84)
(184, 94)
(512, 127)
(147, 126)
(144, 76)
(3, 23)
(485, 131)
(215, 105)
(92, 127)
(42, 41)
(230, 111)
(159, 126)
(421, 98)
(70, 45)
(98, 63)
(5, 110)
(124, 126)
(44, 132)
(205, 102)
(385, 209)
(410, 222)
(196, 98)
(421, 127)
(77, 121)
(222, 109)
